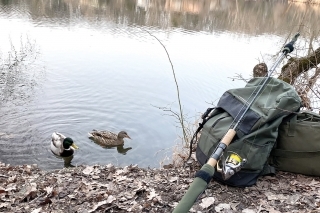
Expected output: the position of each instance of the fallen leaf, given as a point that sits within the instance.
(110, 199)
(248, 211)
(272, 210)
(118, 172)
(272, 196)
(206, 202)
(11, 187)
(12, 179)
(234, 206)
(2, 190)
(95, 177)
(45, 201)
(49, 190)
(98, 205)
(121, 178)
(29, 191)
(293, 199)
(314, 183)
(37, 210)
(4, 205)
(222, 206)
(72, 197)
(88, 170)
(152, 194)
(172, 179)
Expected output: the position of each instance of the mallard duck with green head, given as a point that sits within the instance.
(107, 138)
(61, 145)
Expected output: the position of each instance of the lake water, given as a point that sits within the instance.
(84, 65)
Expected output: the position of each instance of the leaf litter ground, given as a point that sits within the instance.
(106, 188)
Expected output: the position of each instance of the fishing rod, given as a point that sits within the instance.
(205, 174)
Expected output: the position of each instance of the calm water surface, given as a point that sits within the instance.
(94, 65)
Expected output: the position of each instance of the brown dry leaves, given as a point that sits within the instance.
(133, 189)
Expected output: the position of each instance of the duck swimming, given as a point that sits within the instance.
(61, 145)
(108, 138)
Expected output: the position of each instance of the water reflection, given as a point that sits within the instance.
(20, 73)
(251, 17)
(66, 160)
(120, 148)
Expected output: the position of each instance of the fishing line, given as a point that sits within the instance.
(256, 92)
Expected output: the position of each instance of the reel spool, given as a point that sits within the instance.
(231, 165)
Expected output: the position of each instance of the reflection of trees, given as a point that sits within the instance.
(252, 17)
(18, 75)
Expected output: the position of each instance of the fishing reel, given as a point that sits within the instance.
(231, 165)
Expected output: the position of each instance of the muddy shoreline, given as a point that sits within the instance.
(106, 188)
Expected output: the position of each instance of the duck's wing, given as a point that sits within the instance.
(104, 134)
(57, 139)
(108, 134)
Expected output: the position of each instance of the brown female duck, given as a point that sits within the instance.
(108, 138)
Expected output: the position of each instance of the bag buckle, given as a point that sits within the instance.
(231, 165)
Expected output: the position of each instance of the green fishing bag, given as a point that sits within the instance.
(298, 145)
(256, 133)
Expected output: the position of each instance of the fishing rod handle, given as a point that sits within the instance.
(288, 48)
(225, 141)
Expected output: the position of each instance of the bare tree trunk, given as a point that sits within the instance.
(296, 66)
(295, 72)
(299, 67)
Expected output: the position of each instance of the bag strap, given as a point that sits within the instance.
(292, 126)
(294, 118)
(294, 154)
(268, 170)
(291, 120)
(205, 117)
(311, 115)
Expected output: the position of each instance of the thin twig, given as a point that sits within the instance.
(175, 79)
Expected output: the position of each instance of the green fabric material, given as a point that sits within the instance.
(276, 97)
(268, 170)
(207, 168)
(294, 154)
(298, 145)
(196, 188)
